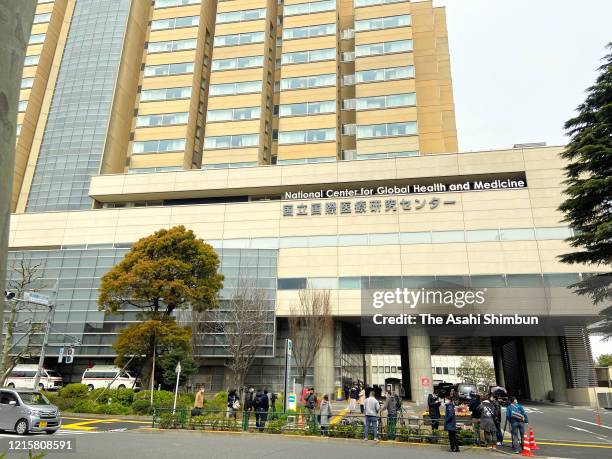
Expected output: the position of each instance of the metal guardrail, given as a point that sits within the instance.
(405, 427)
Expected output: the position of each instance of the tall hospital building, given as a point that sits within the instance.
(311, 144)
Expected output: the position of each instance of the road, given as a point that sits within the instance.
(561, 432)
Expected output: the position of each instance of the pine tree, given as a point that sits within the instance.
(588, 208)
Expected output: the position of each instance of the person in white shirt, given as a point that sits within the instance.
(371, 409)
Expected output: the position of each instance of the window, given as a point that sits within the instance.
(388, 22)
(309, 8)
(233, 114)
(165, 94)
(375, 370)
(171, 45)
(31, 60)
(18, 130)
(169, 3)
(393, 369)
(150, 170)
(391, 73)
(239, 39)
(359, 3)
(158, 146)
(36, 39)
(232, 141)
(291, 283)
(175, 23)
(388, 47)
(41, 18)
(166, 119)
(237, 63)
(241, 16)
(350, 282)
(309, 31)
(308, 108)
(301, 57)
(387, 129)
(378, 102)
(307, 136)
(315, 81)
(23, 104)
(244, 87)
(168, 69)
(27, 83)
(387, 369)
(557, 233)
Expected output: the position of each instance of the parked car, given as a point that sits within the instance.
(102, 375)
(23, 376)
(27, 411)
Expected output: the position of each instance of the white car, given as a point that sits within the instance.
(100, 376)
(22, 376)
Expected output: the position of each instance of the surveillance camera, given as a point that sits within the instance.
(9, 295)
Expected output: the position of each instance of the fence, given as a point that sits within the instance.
(404, 428)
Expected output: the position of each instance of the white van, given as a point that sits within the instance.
(102, 375)
(23, 376)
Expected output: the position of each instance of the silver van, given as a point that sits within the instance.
(27, 411)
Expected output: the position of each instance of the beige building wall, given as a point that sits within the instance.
(241, 224)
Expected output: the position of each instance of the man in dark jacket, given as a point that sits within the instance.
(497, 419)
(433, 404)
(450, 425)
(261, 404)
(474, 407)
(311, 404)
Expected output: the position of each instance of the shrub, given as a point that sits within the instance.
(142, 407)
(275, 426)
(169, 421)
(113, 408)
(74, 390)
(85, 406)
(341, 431)
(66, 404)
(161, 398)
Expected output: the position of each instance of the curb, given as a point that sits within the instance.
(129, 417)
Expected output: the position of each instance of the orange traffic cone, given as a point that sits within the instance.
(526, 450)
(532, 442)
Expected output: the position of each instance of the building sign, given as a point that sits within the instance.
(425, 382)
(433, 187)
(369, 206)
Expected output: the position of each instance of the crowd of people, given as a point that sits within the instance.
(486, 413)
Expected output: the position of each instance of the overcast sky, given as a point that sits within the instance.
(520, 67)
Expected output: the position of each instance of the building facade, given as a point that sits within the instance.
(312, 144)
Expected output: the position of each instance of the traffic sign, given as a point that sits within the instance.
(425, 382)
(37, 298)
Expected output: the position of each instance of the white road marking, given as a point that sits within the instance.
(592, 423)
(580, 429)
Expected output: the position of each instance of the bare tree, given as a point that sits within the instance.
(242, 322)
(25, 276)
(308, 321)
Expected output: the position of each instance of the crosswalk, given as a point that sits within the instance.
(61, 432)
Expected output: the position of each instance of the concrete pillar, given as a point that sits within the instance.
(538, 369)
(368, 374)
(557, 369)
(324, 365)
(498, 364)
(419, 356)
(405, 389)
(15, 25)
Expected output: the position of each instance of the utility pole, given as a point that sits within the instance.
(153, 371)
(41, 359)
(178, 375)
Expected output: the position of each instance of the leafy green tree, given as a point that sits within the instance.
(167, 365)
(162, 336)
(588, 207)
(604, 360)
(477, 371)
(171, 269)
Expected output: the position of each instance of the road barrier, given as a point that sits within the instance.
(404, 428)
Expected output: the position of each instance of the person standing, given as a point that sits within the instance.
(310, 403)
(198, 404)
(260, 405)
(390, 406)
(248, 399)
(354, 396)
(371, 409)
(433, 404)
(516, 416)
(326, 415)
(450, 424)
(362, 399)
(487, 423)
(474, 407)
(233, 404)
(497, 418)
